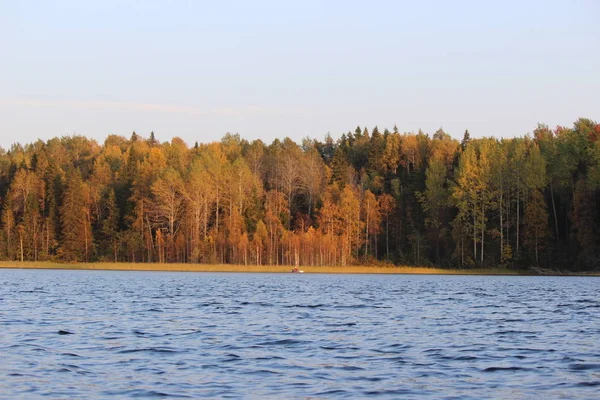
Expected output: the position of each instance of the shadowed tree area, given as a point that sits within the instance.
(370, 197)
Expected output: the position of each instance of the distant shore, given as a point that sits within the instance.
(275, 268)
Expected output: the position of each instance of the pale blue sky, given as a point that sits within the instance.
(268, 69)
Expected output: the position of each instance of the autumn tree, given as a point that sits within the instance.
(27, 193)
(371, 217)
(387, 205)
(435, 201)
(76, 220)
(312, 179)
(371, 194)
(167, 209)
(288, 174)
(351, 224)
(199, 194)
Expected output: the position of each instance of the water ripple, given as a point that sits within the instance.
(95, 334)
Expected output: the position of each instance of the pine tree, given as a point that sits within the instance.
(109, 226)
(435, 200)
(465, 140)
(152, 140)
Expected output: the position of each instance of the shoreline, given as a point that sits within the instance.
(397, 270)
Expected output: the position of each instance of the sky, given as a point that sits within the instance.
(275, 69)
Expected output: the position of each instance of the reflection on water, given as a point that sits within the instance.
(142, 334)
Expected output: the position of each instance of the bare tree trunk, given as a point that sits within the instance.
(474, 235)
(482, 230)
(217, 211)
(507, 217)
(86, 242)
(21, 240)
(501, 225)
(47, 239)
(34, 239)
(387, 238)
(554, 211)
(149, 242)
(462, 249)
(518, 219)
(290, 207)
(142, 234)
(197, 228)
(367, 232)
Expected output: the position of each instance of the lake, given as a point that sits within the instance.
(99, 334)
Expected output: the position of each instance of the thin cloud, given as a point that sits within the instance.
(163, 108)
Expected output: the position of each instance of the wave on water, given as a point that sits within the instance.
(211, 335)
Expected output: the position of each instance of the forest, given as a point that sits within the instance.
(370, 197)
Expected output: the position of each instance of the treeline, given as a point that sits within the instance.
(368, 197)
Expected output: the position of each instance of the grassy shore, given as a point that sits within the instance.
(260, 268)
(358, 269)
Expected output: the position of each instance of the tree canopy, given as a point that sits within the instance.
(371, 196)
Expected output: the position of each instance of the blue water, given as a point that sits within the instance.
(99, 334)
